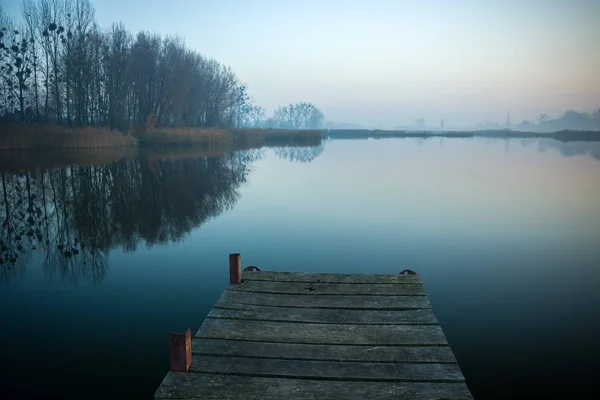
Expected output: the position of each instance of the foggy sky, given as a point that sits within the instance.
(387, 62)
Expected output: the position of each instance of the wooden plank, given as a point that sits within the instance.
(288, 332)
(331, 370)
(326, 301)
(234, 348)
(324, 316)
(218, 387)
(375, 289)
(324, 278)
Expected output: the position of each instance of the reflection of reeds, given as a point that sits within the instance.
(19, 160)
(16, 137)
(28, 160)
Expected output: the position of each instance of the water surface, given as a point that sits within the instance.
(504, 234)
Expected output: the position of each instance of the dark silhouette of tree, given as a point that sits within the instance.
(69, 71)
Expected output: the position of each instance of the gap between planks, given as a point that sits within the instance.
(210, 386)
(316, 289)
(305, 277)
(315, 315)
(332, 352)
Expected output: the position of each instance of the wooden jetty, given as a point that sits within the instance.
(282, 335)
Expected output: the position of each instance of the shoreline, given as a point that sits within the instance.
(54, 137)
(563, 136)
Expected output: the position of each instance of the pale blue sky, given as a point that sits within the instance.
(388, 62)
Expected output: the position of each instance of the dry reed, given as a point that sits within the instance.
(42, 137)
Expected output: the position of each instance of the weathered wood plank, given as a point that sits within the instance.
(218, 387)
(288, 332)
(323, 316)
(326, 301)
(332, 370)
(234, 348)
(375, 289)
(323, 278)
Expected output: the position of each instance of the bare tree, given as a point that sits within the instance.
(64, 69)
(31, 16)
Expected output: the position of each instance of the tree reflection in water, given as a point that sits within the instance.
(72, 217)
(299, 154)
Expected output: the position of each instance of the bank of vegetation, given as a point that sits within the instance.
(58, 68)
(40, 137)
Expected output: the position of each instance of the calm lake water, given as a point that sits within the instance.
(504, 234)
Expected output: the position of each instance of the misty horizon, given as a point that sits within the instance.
(390, 63)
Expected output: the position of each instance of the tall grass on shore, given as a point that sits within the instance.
(236, 138)
(42, 137)
(189, 137)
(254, 136)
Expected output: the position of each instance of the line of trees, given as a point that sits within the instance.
(569, 120)
(58, 66)
(294, 116)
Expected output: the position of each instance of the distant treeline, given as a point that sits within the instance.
(570, 120)
(58, 66)
(565, 135)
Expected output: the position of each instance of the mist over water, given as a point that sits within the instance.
(503, 234)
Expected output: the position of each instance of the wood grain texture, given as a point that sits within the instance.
(217, 387)
(330, 370)
(315, 289)
(323, 278)
(288, 332)
(293, 351)
(324, 316)
(320, 336)
(326, 301)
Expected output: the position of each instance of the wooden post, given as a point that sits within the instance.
(180, 347)
(235, 269)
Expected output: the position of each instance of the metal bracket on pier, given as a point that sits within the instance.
(408, 272)
(253, 268)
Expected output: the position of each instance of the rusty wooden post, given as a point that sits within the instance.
(235, 269)
(180, 347)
